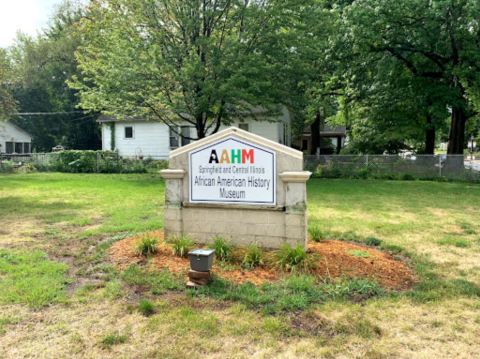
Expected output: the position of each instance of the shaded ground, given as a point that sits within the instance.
(337, 259)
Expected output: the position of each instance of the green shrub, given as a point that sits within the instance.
(253, 257)
(223, 250)
(293, 259)
(155, 165)
(373, 241)
(146, 307)
(407, 177)
(316, 233)
(6, 166)
(147, 246)
(181, 245)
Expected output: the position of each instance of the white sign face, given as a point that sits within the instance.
(232, 171)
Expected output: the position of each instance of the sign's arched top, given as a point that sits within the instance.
(232, 170)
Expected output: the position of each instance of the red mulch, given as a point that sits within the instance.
(335, 260)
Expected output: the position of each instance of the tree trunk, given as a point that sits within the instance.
(429, 136)
(200, 125)
(456, 138)
(315, 131)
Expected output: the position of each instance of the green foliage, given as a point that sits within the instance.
(223, 249)
(181, 245)
(146, 307)
(113, 339)
(86, 161)
(207, 75)
(316, 233)
(454, 241)
(253, 257)
(7, 77)
(155, 282)
(6, 166)
(146, 246)
(29, 277)
(294, 259)
(42, 65)
(359, 253)
(373, 241)
(292, 294)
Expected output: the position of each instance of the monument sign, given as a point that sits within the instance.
(232, 171)
(237, 185)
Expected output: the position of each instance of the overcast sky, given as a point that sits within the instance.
(28, 16)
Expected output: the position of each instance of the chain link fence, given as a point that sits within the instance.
(457, 167)
(395, 166)
(80, 162)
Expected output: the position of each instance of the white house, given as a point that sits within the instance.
(143, 139)
(13, 139)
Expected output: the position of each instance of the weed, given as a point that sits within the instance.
(253, 257)
(454, 241)
(373, 241)
(293, 259)
(113, 339)
(29, 277)
(467, 228)
(359, 253)
(146, 307)
(155, 282)
(181, 245)
(295, 293)
(223, 249)
(316, 233)
(146, 246)
(361, 327)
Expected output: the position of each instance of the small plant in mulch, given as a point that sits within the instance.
(316, 233)
(253, 257)
(146, 307)
(146, 246)
(294, 259)
(181, 245)
(223, 250)
(359, 253)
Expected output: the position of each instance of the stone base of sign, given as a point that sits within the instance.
(240, 224)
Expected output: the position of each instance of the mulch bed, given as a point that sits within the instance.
(336, 259)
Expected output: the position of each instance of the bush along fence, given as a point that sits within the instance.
(74, 161)
(436, 167)
(454, 167)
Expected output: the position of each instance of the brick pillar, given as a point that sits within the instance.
(173, 220)
(295, 207)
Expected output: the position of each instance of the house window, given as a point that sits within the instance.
(128, 132)
(304, 144)
(9, 147)
(173, 139)
(18, 147)
(26, 147)
(243, 126)
(185, 133)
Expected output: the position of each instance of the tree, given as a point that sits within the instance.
(436, 41)
(7, 102)
(199, 62)
(42, 66)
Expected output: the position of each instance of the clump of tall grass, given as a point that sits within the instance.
(146, 246)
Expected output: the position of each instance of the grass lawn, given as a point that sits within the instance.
(61, 297)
